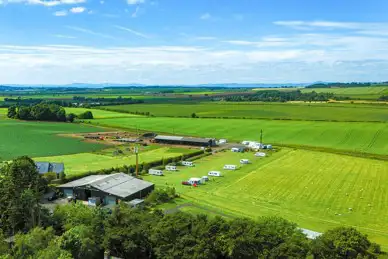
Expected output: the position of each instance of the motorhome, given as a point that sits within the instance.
(260, 154)
(244, 161)
(187, 163)
(155, 172)
(171, 168)
(230, 167)
(214, 173)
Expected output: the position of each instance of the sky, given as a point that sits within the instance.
(190, 42)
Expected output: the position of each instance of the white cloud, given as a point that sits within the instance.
(64, 36)
(102, 2)
(48, 3)
(137, 33)
(60, 13)
(205, 16)
(136, 12)
(133, 2)
(77, 9)
(87, 31)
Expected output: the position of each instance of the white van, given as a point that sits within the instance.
(260, 154)
(214, 173)
(171, 168)
(155, 172)
(187, 163)
(230, 167)
(244, 161)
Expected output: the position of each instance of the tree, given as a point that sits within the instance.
(70, 117)
(12, 112)
(193, 115)
(80, 242)
(19, 195)
(88, 115)
(342, 242)
(24, 113)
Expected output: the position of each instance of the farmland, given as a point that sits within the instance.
(287, 111)
(373, 92)
(355, 137)
(78, 164)
(99, 114)
(19, 138)
(313, 189)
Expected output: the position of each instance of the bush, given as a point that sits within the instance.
(88, 115)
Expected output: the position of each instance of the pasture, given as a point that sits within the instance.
(77, 164)
(313, 189)
(360, 137)
(99, 114)
(284, 111)
(367, 93)
(20, 138)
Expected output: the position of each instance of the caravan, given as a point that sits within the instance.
(171, 168)
(230, 167)
(214, 173)
(187, 163)
(195, 181)
(260, 154)
(155, 172)
(244, 161)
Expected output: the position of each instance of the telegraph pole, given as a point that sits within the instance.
(137, 161)
(261, 137)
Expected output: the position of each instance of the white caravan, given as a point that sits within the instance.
(155, 172)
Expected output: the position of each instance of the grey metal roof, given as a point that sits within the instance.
(45, 167)
(120, 184)
(161, 137)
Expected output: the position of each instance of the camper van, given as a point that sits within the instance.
(260, 154)
(155, 172)
(230, 167)
(187, 163)
(244, 161)
(214, 173)
(171, 168)
(196, 181)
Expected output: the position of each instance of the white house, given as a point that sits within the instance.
(244, 161)
(187, 163)
(214, 173)
(230, 167)
(155, 172)
(171, 168)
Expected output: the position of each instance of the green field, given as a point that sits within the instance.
(288, 111)
(313, 189)
(355, 137)
(99, 114)
(77, 164)
(373, 92)
(19, 138)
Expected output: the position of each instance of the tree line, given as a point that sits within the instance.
(44, 112)
(78, 231)
(281, 96)
(339, 85)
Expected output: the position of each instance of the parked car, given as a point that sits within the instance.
(53, 196)
(186, 183)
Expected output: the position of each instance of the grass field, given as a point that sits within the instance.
(300, 111)
(84, 162)
(19, 138)
(356, 136)
(99, 114)
(373, 92)
(313, 189)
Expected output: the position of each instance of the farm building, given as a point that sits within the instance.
(190, 141)
(46, 167)
(109, 188)
(127, 140)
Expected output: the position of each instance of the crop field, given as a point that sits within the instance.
(99, 114)
(19, 138)
(78, 164)
(314, 189)
(373, 92)
(300, 111)
(355, 136)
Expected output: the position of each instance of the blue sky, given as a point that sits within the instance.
(192, 42)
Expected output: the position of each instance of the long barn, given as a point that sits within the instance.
(190, 141)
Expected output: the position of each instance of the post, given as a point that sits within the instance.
(137, 161)
(261, 137)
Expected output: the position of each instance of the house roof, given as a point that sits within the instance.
(183, 139)
(45, 167)
(120, 184)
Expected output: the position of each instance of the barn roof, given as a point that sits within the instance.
(183, 139)
(45, 167)
(120, 184)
